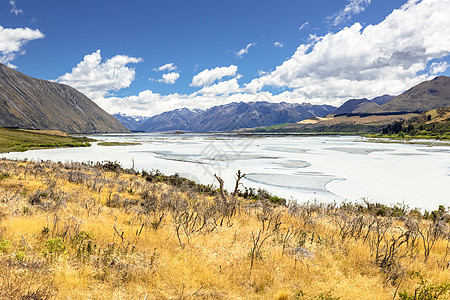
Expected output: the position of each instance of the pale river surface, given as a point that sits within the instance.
(325, 168)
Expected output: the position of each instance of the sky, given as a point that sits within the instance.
(146, 57)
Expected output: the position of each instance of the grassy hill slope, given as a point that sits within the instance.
(12, 140)
(339, 124)
(425, 96)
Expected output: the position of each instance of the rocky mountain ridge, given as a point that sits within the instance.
(30, 103)
(233, 116)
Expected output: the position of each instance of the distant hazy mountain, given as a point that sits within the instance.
(27, 102)
(352, 105)
(234, 116)
(130, 122)
(177, 119)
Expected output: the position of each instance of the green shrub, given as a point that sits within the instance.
(54, 247)
(4, 246)
(277, 200)
(20, 255)
(426, 291)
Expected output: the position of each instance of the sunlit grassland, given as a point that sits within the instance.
(17, 140)
(97, 231)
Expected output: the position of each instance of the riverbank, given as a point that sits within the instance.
(19, 140)
(101, 231)
(323, 167)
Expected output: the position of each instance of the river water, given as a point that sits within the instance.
(325, 168)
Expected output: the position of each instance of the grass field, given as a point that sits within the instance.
(15, 140)
(77, 231)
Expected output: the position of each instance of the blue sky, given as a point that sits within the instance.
(146, 57)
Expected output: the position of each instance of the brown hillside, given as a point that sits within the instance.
(427, 95)
(31, 103)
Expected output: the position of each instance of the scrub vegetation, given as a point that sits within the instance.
(91, 231)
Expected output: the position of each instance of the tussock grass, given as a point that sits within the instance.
(98, 231)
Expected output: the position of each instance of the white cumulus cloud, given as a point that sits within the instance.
(224, 87)
(170, 78)
(96, 78)
(207, 76)
(366, 62)
(243, 51)
(12, 41)
(352, 8)
(167, 67)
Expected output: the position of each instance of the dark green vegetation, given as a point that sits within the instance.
(118, 143)
(433, 124)
(31, 103)
(269, 128)
(425, 290)
(343, 128)
(14, 140)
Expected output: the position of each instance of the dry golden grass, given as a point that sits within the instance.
(82, 232)
(49, 132)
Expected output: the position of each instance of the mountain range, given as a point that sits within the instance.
(30, 103)
(362, 115)
(130, 122)
(229, 117)
(425, 96)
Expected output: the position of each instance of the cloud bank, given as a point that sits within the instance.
(365, 62)
(410, 45)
